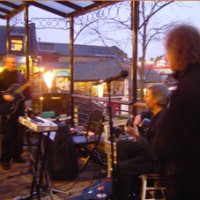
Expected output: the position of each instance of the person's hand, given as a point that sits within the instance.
(137, 120)
(28, 103)
(8, 97)
(133, 131)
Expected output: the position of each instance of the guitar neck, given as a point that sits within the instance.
(22, 88)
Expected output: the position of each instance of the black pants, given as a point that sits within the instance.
(12, 140)
(128, 149)
(134, 160)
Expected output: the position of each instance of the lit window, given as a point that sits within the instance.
(17, 43)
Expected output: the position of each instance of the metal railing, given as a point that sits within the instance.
(83, 105)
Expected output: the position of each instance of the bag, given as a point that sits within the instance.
(62, 156)
(102, 189)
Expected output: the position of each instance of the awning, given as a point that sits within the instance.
(62, 72)
(62, 8)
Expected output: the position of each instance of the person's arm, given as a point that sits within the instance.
(26, 91)
(146, 114)
(8, 97)
(133, 131)
(137, 120)
(140, 117)
(4, 96)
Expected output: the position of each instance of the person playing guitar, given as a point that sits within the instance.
(12, 140)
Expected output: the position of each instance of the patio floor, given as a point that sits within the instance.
(15, 183)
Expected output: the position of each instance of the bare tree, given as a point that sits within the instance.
(148, 32)
(106, 26)
(112, 26)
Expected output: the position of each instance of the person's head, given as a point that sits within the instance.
(10, 62)
(156, 96)
(183, 47)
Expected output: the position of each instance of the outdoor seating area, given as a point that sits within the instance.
(67, 165)
(93, 106)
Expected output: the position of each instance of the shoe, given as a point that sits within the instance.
(6, 165)
(19, 160)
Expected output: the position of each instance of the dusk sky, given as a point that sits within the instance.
(181, 11)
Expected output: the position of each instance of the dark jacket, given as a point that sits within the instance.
(177, 141)
(7, 80)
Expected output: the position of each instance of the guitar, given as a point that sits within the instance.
(9, 108)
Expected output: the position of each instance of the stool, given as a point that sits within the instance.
(152, 188)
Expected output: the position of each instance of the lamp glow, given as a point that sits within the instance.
(100, 90)
(48, 77)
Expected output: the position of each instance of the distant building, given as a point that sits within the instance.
(91, 63)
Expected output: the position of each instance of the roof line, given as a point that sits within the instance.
(9, 4)
(4, 10)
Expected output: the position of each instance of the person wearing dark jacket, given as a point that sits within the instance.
(135, 156)
(177, 141)
(10, 110)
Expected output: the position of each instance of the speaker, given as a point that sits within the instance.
(62, 155)
(57, 102)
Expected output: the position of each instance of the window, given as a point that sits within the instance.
(17, 44)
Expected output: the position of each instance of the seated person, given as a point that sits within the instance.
(135, 156)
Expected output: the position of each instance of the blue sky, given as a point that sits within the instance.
(181, 11)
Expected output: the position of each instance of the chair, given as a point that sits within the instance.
(152, 187)
(87, 140)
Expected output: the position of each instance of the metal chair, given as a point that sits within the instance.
(88, 140)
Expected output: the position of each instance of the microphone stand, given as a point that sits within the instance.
(114, 177)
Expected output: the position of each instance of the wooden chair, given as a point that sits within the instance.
(152, 188)
(88, 140)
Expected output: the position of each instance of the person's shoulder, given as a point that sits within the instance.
(20, 77)
(190, 82)
(192, 72)
(2, 73)
(19, 73)
(146, 114)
